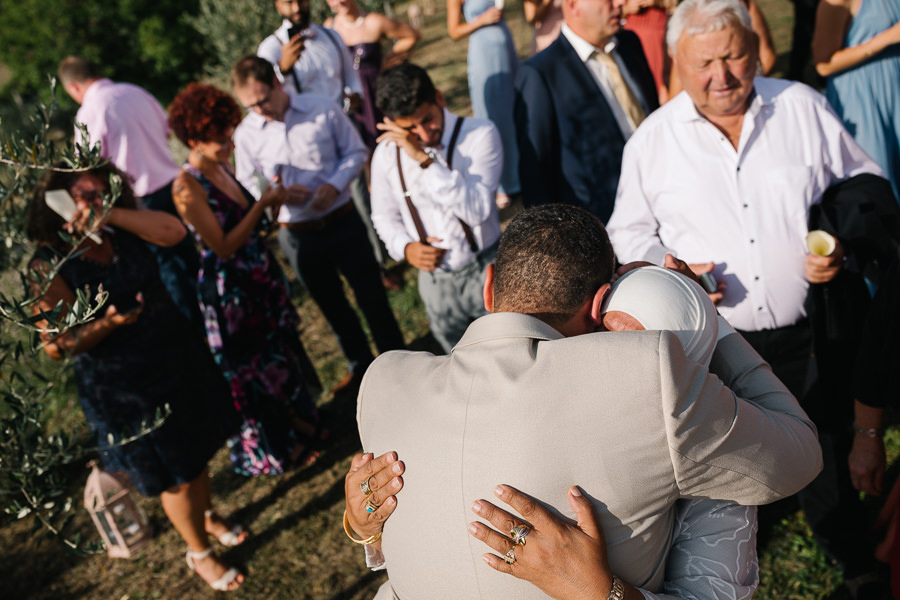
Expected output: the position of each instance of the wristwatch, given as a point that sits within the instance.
(432, 156)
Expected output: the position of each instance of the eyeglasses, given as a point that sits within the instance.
(261, 103)
(89, 196)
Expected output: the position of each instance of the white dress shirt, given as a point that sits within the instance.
(442, 196)
(315, 144)
(132, 129)
(325, 66)
(684, 189)
(585, 51)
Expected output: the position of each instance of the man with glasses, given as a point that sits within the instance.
(311, 59)
(307, 144)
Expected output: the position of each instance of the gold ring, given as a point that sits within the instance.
(364, 487)
(510, 557)
(518, 534)
(371, 506)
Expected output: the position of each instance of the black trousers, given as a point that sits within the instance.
(320, 257)
(830, 503)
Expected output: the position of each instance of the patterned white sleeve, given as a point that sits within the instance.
(713, 555)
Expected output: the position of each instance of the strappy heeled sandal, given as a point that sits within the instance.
(231, 537)
(221, 584)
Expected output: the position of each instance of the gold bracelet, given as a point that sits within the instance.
(618, 590)
(365, 542)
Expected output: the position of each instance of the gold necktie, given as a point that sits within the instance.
(627, 100)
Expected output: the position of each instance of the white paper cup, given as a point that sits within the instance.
(499, 4)
(820, 242)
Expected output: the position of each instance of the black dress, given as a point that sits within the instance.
(139, 368)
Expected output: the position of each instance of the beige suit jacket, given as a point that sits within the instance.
(624, 415)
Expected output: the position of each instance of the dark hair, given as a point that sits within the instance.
(254, 68)
(551, 260)
(203, 113)
(42, 225)
(401, 90)
(75, 68)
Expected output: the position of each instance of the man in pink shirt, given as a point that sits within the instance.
(132, 130)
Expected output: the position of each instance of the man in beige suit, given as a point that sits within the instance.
(525, 398)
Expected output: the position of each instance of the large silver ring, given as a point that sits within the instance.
(518, 534)
(510, 557)
(364, 487)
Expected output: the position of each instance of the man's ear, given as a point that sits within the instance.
(439, 99)
(597, 303)
(489, 288)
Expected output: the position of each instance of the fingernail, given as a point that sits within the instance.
(390, 501)
(395, 483)
(484, 557)
(575, 491)
(498, 490)
(397, 468)
(477, 507)
(473, 529)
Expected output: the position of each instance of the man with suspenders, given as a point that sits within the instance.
(434, 179)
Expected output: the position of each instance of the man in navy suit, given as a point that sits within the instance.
(577, 103)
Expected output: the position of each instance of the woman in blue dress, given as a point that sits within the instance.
(857, 46)
(492, 65)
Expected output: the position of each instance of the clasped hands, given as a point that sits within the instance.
(550, 541)
(296, 194)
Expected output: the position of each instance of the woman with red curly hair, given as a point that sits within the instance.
(251, 325)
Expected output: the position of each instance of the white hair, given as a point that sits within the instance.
(693, 17)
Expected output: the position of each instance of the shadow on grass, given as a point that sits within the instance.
(361, 584)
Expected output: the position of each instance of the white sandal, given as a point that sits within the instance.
(221, 584)
(231, 537)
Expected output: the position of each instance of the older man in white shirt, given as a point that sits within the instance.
(723, 176)
(434, 178)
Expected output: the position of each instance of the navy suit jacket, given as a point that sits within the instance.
(570, 146)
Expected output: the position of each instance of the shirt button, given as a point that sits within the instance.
(756, 278)
(752, 241)
(759, 308)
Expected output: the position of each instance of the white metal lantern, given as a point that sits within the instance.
(121, 522)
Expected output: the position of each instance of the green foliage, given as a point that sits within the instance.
(232, 29)
(150, 44)
(33, 456)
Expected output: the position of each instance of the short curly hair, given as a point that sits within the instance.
(203, 113)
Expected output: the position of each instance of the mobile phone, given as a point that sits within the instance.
(297, 30)
(128, 305)
(708, 283)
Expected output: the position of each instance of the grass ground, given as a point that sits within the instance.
(298, 549)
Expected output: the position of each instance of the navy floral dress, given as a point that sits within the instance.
(251, 329)
(139, 368)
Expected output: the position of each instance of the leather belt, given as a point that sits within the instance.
(319, 224)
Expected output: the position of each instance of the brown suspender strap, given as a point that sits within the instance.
(417, 220)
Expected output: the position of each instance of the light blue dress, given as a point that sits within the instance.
(492, 65)
(867, 97)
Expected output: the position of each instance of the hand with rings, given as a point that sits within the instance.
(369, 489)
(567, 562)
